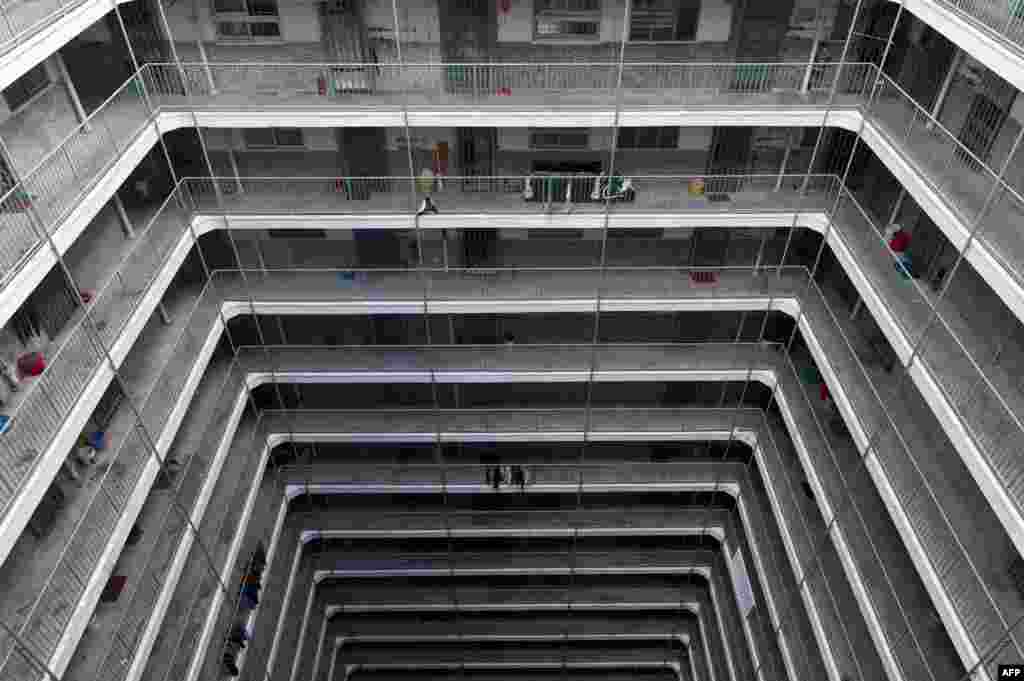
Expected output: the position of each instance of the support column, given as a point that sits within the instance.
(234, 169)
(206, 63)
(122, 214)
(76, 103)
(940, 100)
(785, 162)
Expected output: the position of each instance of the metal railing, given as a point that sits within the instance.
(50, 190)
(1002, 17)
(963, 179)
(33, 209)
(435, 288)
(418, 477)
(474, 474)
(962, 400)
(441, 83)
(155, 259)
(20, 19)
(41, 410)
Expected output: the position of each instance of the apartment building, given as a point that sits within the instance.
(365, 340)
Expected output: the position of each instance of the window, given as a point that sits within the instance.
(568, 6)
(273, 138)
(664, 20)
(649, 138)
(247, 19)
(297, 233)
(25, 88)
(567, 19)
(560, 139)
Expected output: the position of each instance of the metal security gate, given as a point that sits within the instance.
(345, 41)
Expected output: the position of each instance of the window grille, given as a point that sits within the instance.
(246, 19)
(649, 138)
(559, 139)
(664, 20)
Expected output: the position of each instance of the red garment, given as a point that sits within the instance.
(823, 391)
(899, 241)
(31, 364)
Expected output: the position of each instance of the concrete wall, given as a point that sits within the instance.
(516, 25)
(300, 34)
(420, 32)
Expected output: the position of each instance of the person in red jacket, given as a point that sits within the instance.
(899, 242)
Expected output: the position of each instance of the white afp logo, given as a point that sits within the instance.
(1011, 671)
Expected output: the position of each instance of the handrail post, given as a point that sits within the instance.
(805, 85)
(122, 214)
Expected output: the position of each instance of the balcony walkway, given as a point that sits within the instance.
(118, 304)
(992, 414)
(391, 427)
(687, 630)
(268, 505)
(566, 288)
(59, 183)
(722, 603)
(719, 523)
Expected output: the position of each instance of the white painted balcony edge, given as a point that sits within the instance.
(168, 119)
(981, 258)
(716, 530)
(673, 666)
(35, 44)
(135, 325)
(273, 439)
(767, 377)
(683, 638)
(689, 606)
(12, 525)
(339, 642)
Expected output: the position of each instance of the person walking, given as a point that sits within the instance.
(427, 206)
(496, 478)
(519, 478)
(425, 186)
